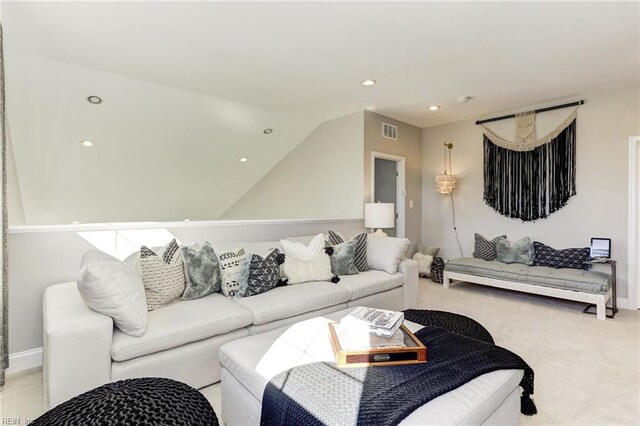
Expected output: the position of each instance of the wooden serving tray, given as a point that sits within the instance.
(414, 352)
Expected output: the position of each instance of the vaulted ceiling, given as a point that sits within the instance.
(189, 87)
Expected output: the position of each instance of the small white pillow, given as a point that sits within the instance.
(113, 288)
(424, 264)
(232, 265)
(302, 271)
(302, 251)
(386, 253)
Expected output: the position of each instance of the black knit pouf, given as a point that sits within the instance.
(454, 323)
(148, 401)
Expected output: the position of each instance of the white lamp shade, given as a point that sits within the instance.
(379, 215)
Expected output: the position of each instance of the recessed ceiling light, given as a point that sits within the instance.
(94, 99)
(267, 131)
(187, 220)
(368, 82)
(243, 159)
(434, 107)
(75, 222)
(86, 144)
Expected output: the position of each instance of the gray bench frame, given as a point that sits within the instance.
(600, 300)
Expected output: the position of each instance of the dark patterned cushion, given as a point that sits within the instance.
(437, 270)
(573, 258)
(485, 249)
(361, 248)
(263, 273)
(202, 272)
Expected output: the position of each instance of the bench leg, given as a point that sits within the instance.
(601, 307)
(445, 280)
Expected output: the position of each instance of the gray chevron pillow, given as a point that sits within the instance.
(361, 248)
(485, 249)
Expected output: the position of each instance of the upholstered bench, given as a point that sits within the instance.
(564, 283)
(249, 363)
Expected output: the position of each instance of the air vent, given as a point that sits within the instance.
(389, 131)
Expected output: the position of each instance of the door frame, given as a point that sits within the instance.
(633, 279)
(401, 192)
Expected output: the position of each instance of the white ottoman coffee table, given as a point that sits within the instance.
(249, 363)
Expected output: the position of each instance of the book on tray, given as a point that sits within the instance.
(380, 322)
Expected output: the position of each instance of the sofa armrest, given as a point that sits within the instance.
(409, 268)
(76, 345)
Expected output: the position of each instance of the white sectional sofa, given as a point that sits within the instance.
(83, 349)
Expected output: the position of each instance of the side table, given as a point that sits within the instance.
(590, 309)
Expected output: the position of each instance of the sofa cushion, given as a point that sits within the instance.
(520, 251)
(567, 279)
(180, 323)
(288, 301)
(371, 282)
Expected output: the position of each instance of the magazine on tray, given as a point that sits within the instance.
(381, 322)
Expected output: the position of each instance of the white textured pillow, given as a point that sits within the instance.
(386, 253)
(113, 288)
(302, 251)
(299, 271)
(424, 264)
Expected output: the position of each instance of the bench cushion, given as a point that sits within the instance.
(370, 282)
(564, 278)
(179, 323)
(292, 300)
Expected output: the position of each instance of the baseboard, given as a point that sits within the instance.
(622, 303)
(25, 360)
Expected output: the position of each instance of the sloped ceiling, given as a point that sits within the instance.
(189, 86)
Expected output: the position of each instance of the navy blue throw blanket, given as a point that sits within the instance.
(322, 394)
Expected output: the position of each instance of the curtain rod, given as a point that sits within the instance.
(505, 117)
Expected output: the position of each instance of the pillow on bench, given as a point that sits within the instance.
(573, 258)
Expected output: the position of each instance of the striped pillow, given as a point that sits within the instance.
(361, 248)
(485, 249)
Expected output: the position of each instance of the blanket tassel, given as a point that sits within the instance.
(527, 406)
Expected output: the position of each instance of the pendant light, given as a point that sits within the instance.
(446, 182)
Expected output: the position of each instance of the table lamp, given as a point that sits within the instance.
(379, 215)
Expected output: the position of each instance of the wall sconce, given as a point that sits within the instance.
(446, 182)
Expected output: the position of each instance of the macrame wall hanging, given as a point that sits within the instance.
(530, 178)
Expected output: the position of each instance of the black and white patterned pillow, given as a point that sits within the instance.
(232, 265)
(573, 258)
(485, 249)
(263, 273)
(162, 274)
(360, 260)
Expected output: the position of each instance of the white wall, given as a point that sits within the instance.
(605, 123)
(160, 154)
(320, 178)
(42, 256)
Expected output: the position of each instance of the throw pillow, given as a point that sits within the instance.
(386, 253)
(360, 260)
(566, 258)
(162, 274)
(302, 271)
(520, 251)
(115, 289)
(262, 273)
(429, 251)
(232, 265)
(343, 258)
(301, 251)
(424, 264)
(485, 249)
(202, 272)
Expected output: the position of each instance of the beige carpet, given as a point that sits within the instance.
(587, 371)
